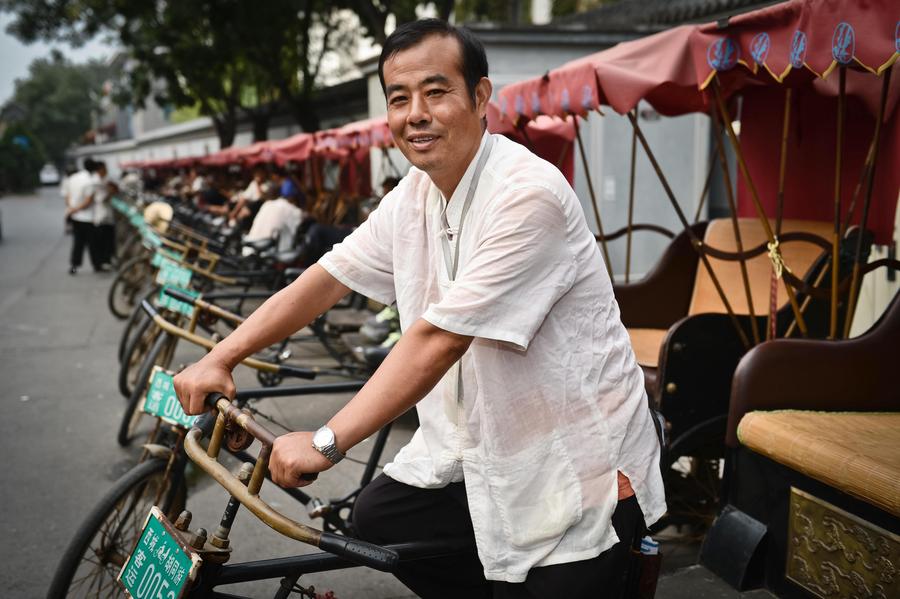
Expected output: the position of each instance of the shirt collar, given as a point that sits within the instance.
(453, 208)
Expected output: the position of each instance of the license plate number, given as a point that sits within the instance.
(162, 401)
(161, 565)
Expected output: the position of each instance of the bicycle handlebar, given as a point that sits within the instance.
(355, 550)
(280, 369)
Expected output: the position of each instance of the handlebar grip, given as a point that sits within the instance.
(293, 371)
(179, 295)
(360, 552)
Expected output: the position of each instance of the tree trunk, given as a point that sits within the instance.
(305, 116)
(260, 125)
(226, 129)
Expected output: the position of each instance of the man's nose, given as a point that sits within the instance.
(418, 110)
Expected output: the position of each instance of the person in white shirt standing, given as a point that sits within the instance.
(536, 443)
(104, 229)
(80, 211)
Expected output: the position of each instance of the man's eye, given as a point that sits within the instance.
(436, 92)
(397, 100)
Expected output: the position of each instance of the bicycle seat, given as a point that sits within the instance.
(288, 256)
(374, 355)
(259, 245)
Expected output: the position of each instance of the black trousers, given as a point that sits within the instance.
(391, 512)
(105, 239)
(83, 236)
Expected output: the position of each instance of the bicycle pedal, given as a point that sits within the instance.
(319, 508)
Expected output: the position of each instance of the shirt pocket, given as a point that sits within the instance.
(536, 492)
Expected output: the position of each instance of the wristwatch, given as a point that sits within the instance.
(324, 442)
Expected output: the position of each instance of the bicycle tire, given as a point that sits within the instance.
(132, 415)
(125, 287)
(136, 324)
(134, 357)
(131, 495)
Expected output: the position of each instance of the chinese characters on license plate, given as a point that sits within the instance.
(160, 566)
(162, 401)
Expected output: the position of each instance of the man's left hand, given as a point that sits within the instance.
(293, 455)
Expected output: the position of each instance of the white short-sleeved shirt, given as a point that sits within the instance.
(80, 186)
(552, 399)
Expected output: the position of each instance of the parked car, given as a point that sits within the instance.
(49, 175)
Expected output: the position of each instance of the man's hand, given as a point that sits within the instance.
(198, 380)
(293, 455)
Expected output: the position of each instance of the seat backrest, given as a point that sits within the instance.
(799, 256)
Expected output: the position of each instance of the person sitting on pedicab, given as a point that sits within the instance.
(535, 441)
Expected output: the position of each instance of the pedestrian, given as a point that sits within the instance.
(536, 443)
(80, 211)
(64, 192)
(104, 229)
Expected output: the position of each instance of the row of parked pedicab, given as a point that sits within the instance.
(782, 432)
(780, 429)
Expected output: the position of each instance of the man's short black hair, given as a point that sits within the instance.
(474, 61)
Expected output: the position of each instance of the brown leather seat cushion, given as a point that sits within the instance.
(646, 344)
(798, 256)
(855, 452)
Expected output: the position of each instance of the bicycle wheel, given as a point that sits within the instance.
(93, 559)
(134, 357)
(129, 282)
(136, 326)
(159, 355)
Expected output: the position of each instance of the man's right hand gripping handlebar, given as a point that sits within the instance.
(229, 417)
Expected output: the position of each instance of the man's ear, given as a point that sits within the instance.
(483, 91)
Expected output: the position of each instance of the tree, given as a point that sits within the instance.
(21, 158)
(57, 99)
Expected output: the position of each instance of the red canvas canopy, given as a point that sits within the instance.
(797, 45)
(549, 138)
(801, 39)
(296, 148)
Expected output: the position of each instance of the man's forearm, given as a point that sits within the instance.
(289, 310)
(415, 365)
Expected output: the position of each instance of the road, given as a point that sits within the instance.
(60, 408)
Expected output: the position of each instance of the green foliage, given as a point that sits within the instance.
(21, 159)
(515, 12)
(57, 99)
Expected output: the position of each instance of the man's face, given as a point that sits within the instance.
(430, 111)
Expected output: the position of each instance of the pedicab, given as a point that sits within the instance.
(810, 83)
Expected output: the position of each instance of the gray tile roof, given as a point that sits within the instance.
(659, 13)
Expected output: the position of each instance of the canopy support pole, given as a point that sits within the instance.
(704, 193)
(774, 252)
(772, 320)
(732, 205)
(836, 235)
(870, 183)
(695, 241)
(590, 184)
(630, 203)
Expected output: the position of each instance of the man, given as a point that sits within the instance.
(104, 227)
(80, 211)
(536, 441)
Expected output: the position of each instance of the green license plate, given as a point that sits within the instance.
(171, 273)
(163, 254)
(161, 565)
(170, 303)
(161, 400)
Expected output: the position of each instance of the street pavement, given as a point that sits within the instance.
(60, 409)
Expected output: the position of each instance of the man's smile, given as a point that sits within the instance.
(422, 141)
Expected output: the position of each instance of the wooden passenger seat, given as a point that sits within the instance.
(798, 256)
(857, 453)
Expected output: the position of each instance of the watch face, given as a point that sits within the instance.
(323, 437)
